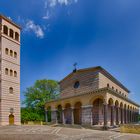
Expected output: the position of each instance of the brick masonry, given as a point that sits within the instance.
(9, 101)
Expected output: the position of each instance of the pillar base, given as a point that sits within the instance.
(105, 127)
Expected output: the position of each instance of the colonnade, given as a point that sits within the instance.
(99, 113)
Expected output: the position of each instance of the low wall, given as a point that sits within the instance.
(34, 123)
(130, 128)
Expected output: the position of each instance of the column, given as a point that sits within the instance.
(54, 116)
(46, 116)
(124, 110)
(137, 116)
(126, 119)
(132, 116)
(87, 115)
(63, 116)
(72, 115)
(117, 122)
(121, 116)
(112, 115)
(105, 116)
(56, 120)
(128, 116)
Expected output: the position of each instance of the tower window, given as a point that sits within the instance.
(5, 29)
(7, 51)
(108, 85)
(15, 55)
(15, 74)
(11, 110)
(11, 53)
(16, 36)
(11, 33)
(11, 72)
(11, 90)
(6, 71)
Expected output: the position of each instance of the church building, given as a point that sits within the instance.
(92, 97)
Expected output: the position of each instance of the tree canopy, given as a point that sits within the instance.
(35, 98)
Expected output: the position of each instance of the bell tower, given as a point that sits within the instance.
(9, 72)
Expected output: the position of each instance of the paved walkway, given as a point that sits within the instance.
(60, 133)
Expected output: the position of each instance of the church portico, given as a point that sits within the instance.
(104, 107)
(96, 110)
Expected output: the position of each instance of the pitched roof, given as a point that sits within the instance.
(103, 71)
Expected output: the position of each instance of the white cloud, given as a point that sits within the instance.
(47, 16)
(51, 4)
(31, 26)
(65, 2)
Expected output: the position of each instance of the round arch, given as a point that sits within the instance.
(111, 111)
(91, 101)
(97, 112)
(11, 119)
(68, 113)
(77, 112)
(49, 114)
(59, 113)
(117, 103)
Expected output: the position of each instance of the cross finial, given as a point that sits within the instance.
(75, 64)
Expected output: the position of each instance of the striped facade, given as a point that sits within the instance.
(92, 97)
(9, 72)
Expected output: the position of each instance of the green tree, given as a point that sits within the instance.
(35, 98)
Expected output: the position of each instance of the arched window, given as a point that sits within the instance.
(116, 90)
(5, 29)
(15, 55)
(6, 71)
(6, 51)
(11, 90)
(108, 85)
(11, 72)
(11, 53)
(113, 88)
(11, 33)
(16, 36)
(15, 74)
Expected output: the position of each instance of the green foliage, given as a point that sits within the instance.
(139, 117)
(35, 98)
(28, 114)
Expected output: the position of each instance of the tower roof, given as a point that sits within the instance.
(9, 20)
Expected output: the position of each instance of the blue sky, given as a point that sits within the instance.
(57, 33)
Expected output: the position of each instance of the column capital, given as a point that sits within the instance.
(72, 107)
(63, 109)
(105, 103)
(54, 110)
